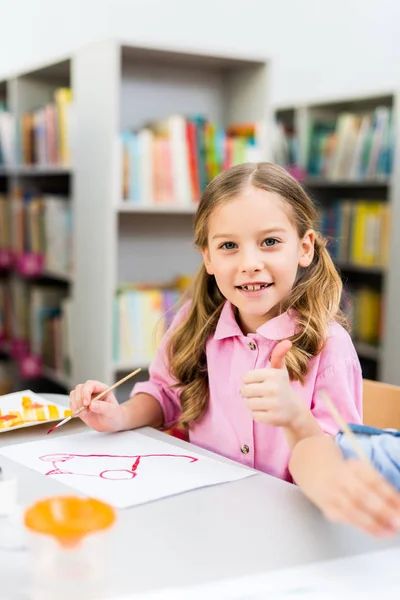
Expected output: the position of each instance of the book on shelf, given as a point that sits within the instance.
(171, 161)
(285, 144)
(41, 226)
(45, 321)
(358, 231)
(41, 137)
(363, 308)
(142, 314)
(352, 146)
(7, 137)
(35, 325)
(5, 314)
(19, 294)
(35, 319)
(53, 329)
(5, 223)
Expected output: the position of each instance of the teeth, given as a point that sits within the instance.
(253, 288)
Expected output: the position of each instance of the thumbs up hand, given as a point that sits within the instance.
(268, 392)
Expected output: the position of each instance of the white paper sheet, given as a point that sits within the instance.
(363, 577)
(123, 469)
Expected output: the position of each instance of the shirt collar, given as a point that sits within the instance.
(281, 327)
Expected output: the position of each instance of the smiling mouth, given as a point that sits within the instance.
(254, 288)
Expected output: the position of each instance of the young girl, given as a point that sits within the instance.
(220, 371)
(352, 491)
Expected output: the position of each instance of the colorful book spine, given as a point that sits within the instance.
(171, 161)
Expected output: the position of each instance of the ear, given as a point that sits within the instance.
(207, 261)
(307, 249)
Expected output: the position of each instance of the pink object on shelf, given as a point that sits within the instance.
(6, 258)
(19, 348)
(30, 264)
(30, 366)
(297, 172)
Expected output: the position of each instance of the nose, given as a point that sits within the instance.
(251, 261)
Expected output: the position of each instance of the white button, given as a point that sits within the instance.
(252, 346)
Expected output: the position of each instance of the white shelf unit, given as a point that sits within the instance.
(382, 182)
(25, 92)
(126, 367)
(118, 86)
(127, 208)
(386, 356)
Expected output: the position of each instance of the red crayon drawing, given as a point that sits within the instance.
(109, 466)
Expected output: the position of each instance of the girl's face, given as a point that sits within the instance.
(254, 253)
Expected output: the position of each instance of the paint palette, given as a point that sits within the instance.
(25, 409)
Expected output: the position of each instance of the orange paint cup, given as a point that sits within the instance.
(69, 542)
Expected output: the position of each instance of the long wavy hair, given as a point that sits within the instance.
(314, 299)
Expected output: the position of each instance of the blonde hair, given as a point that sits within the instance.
(314, 299)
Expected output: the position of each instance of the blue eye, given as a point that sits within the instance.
(228, 245)
(270, 242)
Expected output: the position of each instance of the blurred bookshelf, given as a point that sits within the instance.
(36, 233)
(343, 153)
(170, 143)
(130, 245)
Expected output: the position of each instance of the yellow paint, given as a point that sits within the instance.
(40, 414)
(26, 402)
(27, 411)
(31, 413)
(17, 420)
(53, 412)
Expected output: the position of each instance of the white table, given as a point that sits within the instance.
(239, 528)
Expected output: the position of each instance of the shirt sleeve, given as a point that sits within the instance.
(161, 383)
(382, 450)
(342, 382)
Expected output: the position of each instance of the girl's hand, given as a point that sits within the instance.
(101, 415)
(269, 394)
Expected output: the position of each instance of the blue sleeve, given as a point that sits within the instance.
(381, 448)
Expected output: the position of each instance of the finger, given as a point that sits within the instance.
(256, 376)
(259, 403)
(357, 518)
(363, 506)
(277, 360)
(75, 398)
(388, 495)
(258, 390)
(383, 518)
(391, 495)
(72, 400)
(392, 499)
(360, 516)
(376, 482)
(90, 389)
(380, 500)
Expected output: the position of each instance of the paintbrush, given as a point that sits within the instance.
(344, 426)
(98, 397)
